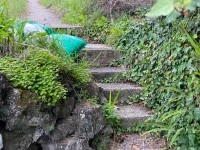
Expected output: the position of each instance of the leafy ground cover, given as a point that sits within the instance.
(165, 64)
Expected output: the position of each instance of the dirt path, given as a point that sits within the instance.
(39, 13)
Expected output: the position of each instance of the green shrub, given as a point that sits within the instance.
(117, 29)
(36, 71)
(98, 28)
(39, 71)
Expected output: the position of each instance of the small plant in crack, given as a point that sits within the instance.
(112, 117)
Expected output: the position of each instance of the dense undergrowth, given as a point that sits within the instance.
(162, 60)
(36, 64)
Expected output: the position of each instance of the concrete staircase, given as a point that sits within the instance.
(100, 57)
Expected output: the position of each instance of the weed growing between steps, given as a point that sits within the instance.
(111, 116)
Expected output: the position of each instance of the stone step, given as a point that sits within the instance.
(127, 90)
(69, 143)
(131, 114)
(99, 55)
(106, 72)
(73, 30)
(64, 26)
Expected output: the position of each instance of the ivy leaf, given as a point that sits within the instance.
(171, 17)
(193, 4)
(161, 8)
(197, 113)
(198, 4)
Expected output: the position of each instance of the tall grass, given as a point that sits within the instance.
(76, 11)
(47, 2)
(15, 7)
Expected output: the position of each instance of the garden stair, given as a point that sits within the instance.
(106, 72)
(100, 57)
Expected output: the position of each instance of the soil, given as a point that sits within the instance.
(137, 141)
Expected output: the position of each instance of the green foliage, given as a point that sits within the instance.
(111, 117)
(162, 60)
(98, 28)
(6, 29)
(11, 36)
(46, 2)
(39, 71)
(117, 29)
(172, 8)
(162, 7)
(36, 71)
(76, 10)
(15, 7)
(101, 29)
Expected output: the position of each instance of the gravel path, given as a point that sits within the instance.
(39, 13)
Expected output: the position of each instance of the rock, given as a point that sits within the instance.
(86, 121)
(3, 81)
(26, 119)
(103, 139)
(1, 142)
(3, 88)
(126, 90)
(67, 126)
(106, 72)
(28, 124)
(94, 91)
(108, 130)
(63, 129)
(90, 120)
(132, 114)
(66, 107)
(16, 140)
(70, 143)
(23, 109)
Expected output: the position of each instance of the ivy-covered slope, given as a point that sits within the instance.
(162, 60)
